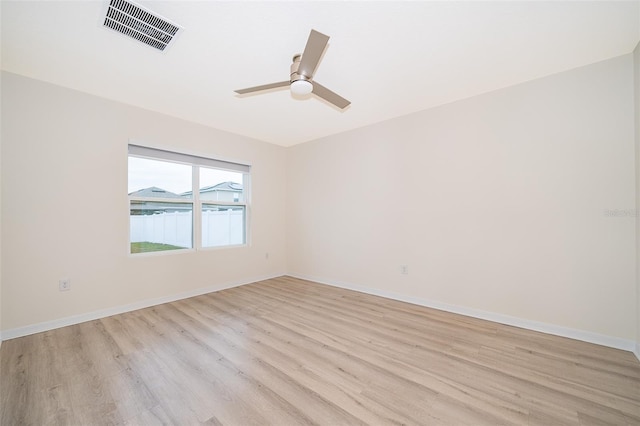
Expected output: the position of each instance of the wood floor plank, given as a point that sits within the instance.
(281, 347)
(286, 351)
(401, 370)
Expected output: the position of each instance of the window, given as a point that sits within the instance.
(178, 201)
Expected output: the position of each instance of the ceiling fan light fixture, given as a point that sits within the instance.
(301, 87)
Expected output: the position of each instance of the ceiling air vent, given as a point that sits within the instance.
(132, 20)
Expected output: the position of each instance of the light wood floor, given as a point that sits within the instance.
(286, 351)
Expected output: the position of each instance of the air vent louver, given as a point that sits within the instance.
(133, 21)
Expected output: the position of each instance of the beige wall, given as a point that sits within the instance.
(636, 75)
(64, 170)
(1, 191)
(1, 198)
(510, 202)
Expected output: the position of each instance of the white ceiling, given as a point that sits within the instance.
(388, 58)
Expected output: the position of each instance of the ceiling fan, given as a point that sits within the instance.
(303, 68)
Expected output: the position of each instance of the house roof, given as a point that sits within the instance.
(224, 186)
(154, 191)
(389, 58)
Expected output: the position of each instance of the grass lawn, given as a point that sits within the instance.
(145, 247)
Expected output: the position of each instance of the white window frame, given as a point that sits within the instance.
(196, 162)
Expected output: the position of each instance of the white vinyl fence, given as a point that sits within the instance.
(219, 228)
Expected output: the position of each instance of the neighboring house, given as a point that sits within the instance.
(225, 191)
(154, 191)
(139, 207)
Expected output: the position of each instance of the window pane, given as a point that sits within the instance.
(221, 185)
(158, 226)
(222, 225)
(156, 178)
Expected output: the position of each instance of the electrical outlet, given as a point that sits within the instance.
(266, 256)
(404, 270)
(64, 284)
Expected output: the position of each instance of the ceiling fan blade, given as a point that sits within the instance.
(263, 87)
(330, 96)
(316, 44)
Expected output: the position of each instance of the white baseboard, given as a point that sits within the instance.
(585, 336)
(103, 313)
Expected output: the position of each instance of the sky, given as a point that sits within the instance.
(173, 177)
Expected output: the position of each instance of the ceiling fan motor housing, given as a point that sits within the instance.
(294, 76)
(300, 84)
